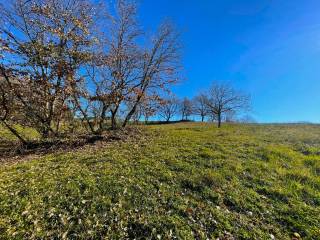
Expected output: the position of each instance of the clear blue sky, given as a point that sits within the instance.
(268, 48)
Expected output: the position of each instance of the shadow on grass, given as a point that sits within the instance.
(164, 122)
(11, 149)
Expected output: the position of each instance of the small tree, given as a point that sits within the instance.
(222, 99)
(200, 107)
(230, 116)
(186, 108)
(247, 119)
(168, 108)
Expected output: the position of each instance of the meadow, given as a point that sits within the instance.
(175, 181)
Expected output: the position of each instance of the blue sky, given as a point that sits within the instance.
(268, 48)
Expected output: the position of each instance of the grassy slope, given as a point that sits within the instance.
(183, 181)
(27, 133)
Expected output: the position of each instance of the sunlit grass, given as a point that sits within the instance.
(27, 133)
(180, 181)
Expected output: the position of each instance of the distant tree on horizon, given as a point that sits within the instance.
(186, 108)
(199, 106)
(222, 98)
(230, 116)
(168, 108)
(247, 119)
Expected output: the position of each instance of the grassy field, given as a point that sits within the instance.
(179, 181)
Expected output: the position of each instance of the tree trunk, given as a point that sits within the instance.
(130, 114)
(15, 133)
(102, 117)
(58, 126)
(85, 116)
(219, 120)
(113, 121)
(45, 133)
(133, 109)
(46, 130)
(202, 118)
(113, 118)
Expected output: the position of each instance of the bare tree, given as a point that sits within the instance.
(230, 116)
(117, 70)
(186, 108)
(159, 67)
(169, 108)
(247, 119)
(200, 107)
(223, 98)
(130, 72)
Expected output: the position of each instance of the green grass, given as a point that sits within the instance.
(27, 133)
(180, 181)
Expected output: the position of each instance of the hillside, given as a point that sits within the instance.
(177, 181)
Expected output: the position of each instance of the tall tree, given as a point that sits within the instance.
(159, 67)
(118, 68)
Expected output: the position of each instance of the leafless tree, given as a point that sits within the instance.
(186, 108)
(130, 72)
(159, 67)
(223, 98)
(230, 116)
(247, 119)
(168, 108)
(117, 64)
(200, 107)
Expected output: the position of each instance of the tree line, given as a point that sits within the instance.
(67, 65)
(220, 103)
